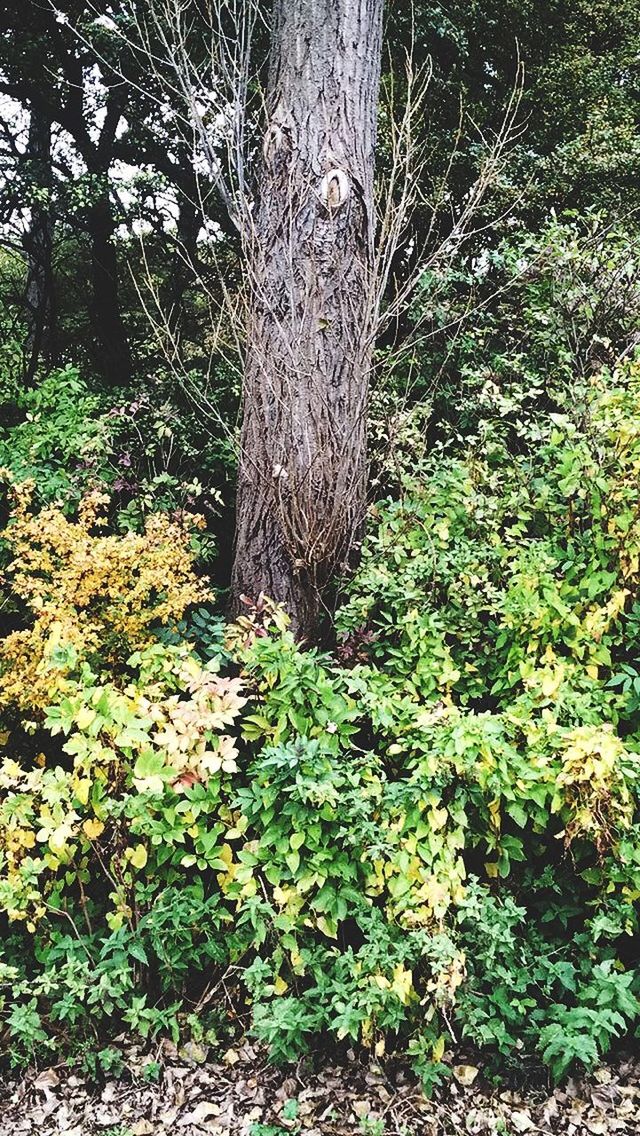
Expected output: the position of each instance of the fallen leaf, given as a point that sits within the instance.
(465, 1075)
(361, 1108)
(47, 1079)
(201, 1112)
(194, 1052)
(521, 1121)
(596, 1127)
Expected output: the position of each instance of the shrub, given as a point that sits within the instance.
(432, 832)
(90, 597)
(510, 332)
(144, 450)
(98, 833)
(59, 439)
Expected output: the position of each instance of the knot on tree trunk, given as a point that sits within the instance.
(334, 189)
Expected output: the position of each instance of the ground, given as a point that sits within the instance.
(242, 1095)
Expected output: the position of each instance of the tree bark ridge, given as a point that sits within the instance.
(302, 477)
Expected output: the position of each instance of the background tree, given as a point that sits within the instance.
(38, 244)
(68, 92)
(115, 162)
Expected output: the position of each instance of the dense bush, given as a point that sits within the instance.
(431, 835)
(144, 449)
(507, 336)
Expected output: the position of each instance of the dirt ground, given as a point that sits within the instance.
(185, 1094)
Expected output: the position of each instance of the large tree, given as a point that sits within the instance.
(302, 469)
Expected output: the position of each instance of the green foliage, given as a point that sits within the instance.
(516, 330)
(435, 831)
(12, 331)
(496, 610)
(431, 835)
(577, 145)
(61, 435)
(144, 451)
(431, 831)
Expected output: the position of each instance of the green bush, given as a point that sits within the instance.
(144, 449)
(432, 832)
(505, 335)
(59, 439)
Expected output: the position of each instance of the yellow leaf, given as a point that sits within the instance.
(93, 828)
(438, 818)
(58, 838)
(551, 680)
(280, 985)
(81, 788)
(437, 1052)
(326, 927)
(297, 961)
(137, 856)
(402, 983)
(494, 811)
(85, 717)
(381, 981)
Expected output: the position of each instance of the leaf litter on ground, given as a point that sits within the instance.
(248, 1097)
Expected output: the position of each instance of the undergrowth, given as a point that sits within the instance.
(426, 839)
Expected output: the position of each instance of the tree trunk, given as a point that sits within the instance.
(302, 475)
(114, 355)
(38, 245)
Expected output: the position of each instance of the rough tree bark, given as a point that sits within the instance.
(302, 475)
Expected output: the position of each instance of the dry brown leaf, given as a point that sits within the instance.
(522, 1121)
(46, 1080)
(465, 1075)
(201, 1112)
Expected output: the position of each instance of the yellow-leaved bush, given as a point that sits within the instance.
(130, 715)
(88, 595)
(167, 729)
